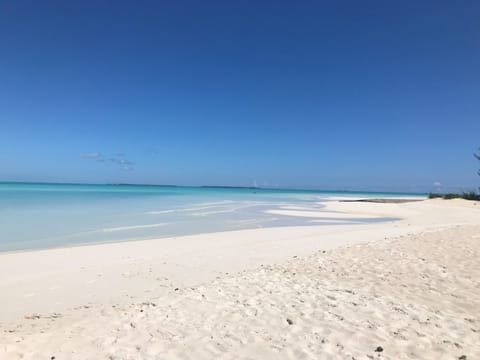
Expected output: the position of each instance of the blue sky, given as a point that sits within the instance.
(369, 95)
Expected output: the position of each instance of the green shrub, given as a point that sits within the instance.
(452, 196)
(472, 195)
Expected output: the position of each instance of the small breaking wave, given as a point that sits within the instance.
(133, 227)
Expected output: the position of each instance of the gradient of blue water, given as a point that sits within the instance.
(36, 216)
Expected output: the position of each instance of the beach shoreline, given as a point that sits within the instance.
(323, 202)
(69, 281)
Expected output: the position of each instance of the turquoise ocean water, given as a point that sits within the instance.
(34, 216)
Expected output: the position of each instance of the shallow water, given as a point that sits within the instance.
(36, 216)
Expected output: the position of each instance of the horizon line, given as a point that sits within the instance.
(217, 187)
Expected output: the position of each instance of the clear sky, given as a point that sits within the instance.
(369, 95)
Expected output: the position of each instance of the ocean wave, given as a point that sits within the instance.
(160, 212)
(213, 205)
(133, 227)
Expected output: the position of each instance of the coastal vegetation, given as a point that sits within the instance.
(469, 195)
(478, 158)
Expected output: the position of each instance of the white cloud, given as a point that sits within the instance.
(437, 184)
(118, 159)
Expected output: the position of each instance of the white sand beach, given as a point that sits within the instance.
(403, 289)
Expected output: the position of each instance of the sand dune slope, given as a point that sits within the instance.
(412, 297)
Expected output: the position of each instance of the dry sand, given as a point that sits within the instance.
(409, 288)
